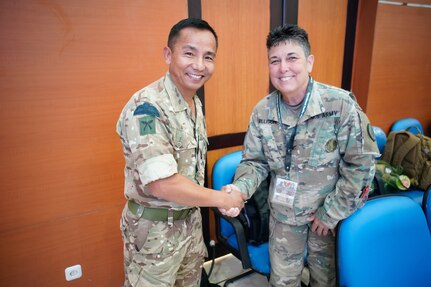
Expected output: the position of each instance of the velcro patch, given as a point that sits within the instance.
(146, 109)
(147, 125)
(331, 145)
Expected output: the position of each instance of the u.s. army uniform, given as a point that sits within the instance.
(160, 138)
(332, 162)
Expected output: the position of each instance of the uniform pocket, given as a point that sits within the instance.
(135, 229)
(273, 142)
(161, 240)
(184, 140)
(325, 150)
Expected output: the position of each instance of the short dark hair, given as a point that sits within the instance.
(189, 23)
(289, 32)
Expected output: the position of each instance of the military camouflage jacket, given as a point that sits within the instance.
(161, 139)
(332, 158)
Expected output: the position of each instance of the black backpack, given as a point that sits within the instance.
(255, 215)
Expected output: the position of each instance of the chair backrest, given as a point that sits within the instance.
(380, 138)
(251, 256)
(224, 169)
(426, 204)
(222, 174)
(385, 243)
(410, 124)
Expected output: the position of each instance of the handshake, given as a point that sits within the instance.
(235, 201)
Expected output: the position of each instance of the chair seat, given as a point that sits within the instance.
(259, 255)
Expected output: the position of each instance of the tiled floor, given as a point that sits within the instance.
(228, 266)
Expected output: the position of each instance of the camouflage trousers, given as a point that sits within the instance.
(158, 255)
(287, 246)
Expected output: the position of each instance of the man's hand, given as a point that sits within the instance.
(234, 211)
(320, 228)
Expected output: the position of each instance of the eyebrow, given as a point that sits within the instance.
(193, 48)
(288, 54)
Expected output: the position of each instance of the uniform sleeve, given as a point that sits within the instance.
(253, 168)
(358, 150)
(150, 144)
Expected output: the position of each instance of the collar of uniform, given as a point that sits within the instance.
(315, 104)
(177, 100)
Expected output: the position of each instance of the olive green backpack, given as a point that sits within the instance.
(413, 154)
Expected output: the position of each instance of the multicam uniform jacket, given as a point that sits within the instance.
(332, 159)
(160, 139)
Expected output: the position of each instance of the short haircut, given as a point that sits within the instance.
(290, 33)
(189, 23)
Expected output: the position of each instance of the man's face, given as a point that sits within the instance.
(289, 69)
(191, 60)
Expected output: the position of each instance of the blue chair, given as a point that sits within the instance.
(385, 243)
(410, 124)
(380, 138)
(416, 195)
(426, 205)
(230, 232)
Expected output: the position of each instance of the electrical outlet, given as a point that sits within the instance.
(73, 272)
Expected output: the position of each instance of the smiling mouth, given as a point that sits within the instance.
(287, 78)
(195, 76)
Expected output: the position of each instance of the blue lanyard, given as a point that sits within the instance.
(290, 141)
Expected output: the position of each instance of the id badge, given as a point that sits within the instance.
(284, 192)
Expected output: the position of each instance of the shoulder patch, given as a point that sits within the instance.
(147, 125)
(146, 109)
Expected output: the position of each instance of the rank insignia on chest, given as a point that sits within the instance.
(147, 125)
(331, 145)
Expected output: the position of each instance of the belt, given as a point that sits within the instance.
(158, 214)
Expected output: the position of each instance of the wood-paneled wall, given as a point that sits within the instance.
(325, 22)
(66, 70)
(401, 66)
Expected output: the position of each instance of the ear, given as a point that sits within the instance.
(310, 62)
(167, 53)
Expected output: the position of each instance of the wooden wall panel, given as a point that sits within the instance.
(66, 70)
(38, 255)
(241, 76)
(364, 41)
(401, 70)
(325, 22)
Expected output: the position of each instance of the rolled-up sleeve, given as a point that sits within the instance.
(150, 143)
(158, 167)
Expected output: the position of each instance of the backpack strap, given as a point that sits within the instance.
(402, 151)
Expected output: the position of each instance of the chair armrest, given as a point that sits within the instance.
(240, 237)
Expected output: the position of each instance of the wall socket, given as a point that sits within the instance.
(73, 272)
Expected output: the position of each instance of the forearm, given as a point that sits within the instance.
(182, 190)
(248, 177)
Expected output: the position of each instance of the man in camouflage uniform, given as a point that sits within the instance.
(318, 148)
(163, 132)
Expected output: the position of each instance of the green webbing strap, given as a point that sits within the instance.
(402, 151)
(157, 214)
